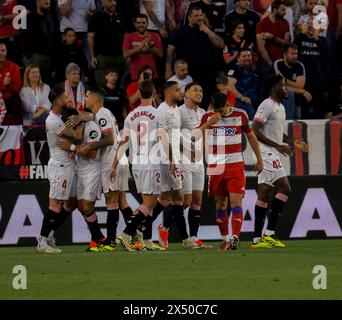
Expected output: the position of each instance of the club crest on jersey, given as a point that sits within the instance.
(102, 122)
(224, 131)
(93, 134)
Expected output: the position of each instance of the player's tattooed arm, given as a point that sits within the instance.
(74, 135)
(106, 141)
(283, 149)
(83, 116)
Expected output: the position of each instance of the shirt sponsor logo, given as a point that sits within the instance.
(93, 134)
(102, 122)
(224, 131)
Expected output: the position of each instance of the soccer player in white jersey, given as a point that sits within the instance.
(268, 126)
(108, 145)
(171, 180)
(141, 131)
(88, 172)
(191, 163)
(61, 170)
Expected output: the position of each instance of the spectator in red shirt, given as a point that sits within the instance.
(272, 33)
(8, 34)
(10, 85)
(142, 48)
(223, 87)
(145, 73)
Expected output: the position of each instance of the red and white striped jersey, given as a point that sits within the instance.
(224, 139)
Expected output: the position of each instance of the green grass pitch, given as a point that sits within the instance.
(176, 273)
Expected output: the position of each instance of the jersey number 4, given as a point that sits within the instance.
(277, 164)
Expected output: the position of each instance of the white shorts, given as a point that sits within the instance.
(192, 179)
(89, 186)
(62, 180)
(121, 181)
(273, 170)
(170, 180)
(147, 181)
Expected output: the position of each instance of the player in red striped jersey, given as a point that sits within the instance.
(223, 132)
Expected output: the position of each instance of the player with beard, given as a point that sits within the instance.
(108, 145)
(61, 171)
(88, 172)
(268, 126)
(171, 175)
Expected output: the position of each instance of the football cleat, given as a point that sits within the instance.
(107, 245)
(202, 245)
(225, 246)
(140, 236)
(274, 241)
(149, 245)
(190, 244)
(51, 241)
(261, 244)
(163, 237)
(234, 243)
(93, 247)
(48, 249)
(126, 242)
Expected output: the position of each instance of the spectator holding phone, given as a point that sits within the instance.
(145, 73)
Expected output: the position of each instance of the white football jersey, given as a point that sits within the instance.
(141, 125)
(170, 121)
(107, 122)
(190, 119)
(272, 114)
(91, 134)
(54, 130)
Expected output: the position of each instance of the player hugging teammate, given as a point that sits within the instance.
(166, 146)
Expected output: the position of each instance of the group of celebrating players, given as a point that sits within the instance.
(167, 148)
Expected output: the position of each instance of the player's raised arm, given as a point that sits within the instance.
(83, 116)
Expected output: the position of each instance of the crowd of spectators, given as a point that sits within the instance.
(229, 46)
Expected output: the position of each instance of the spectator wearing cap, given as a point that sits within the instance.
(41, 38)
(74, 87)
(105, 38)
(245, 83)
(10, 86)
(142, 48)
(181, 75)
(248, 17)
